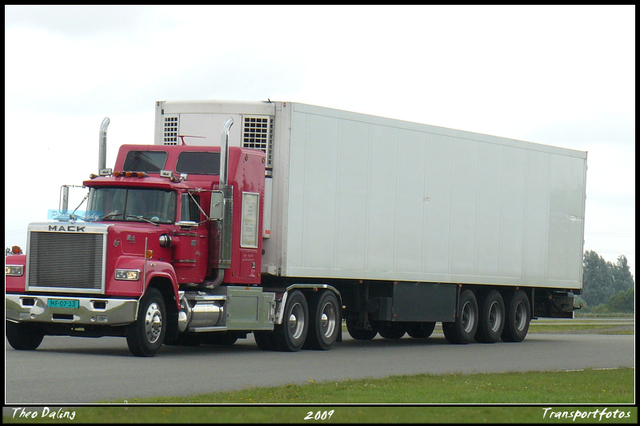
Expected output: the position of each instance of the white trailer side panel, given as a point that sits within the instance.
(364, 197)
(381, 199)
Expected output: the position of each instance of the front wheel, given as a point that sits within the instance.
(292, 333)
(145, 336)
(23, 336)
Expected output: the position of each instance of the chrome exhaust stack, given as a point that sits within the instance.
(224, 152)
(102, 155)
(221, 210)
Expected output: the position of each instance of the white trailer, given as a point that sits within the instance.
(411, 223)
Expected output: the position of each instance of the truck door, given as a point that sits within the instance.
(191, 254)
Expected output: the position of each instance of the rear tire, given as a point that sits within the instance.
(360, 333)
(145, 336)
(492, 318)
(24, 336)
(292, 333)
(517, 318)
(324, 324)
(265, 340)
(421, 330)
(392, 330)
(462, 330)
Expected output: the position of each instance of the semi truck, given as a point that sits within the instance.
(289, 220)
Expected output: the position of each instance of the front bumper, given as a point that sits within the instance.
(90, 310)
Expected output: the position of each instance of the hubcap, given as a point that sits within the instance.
(521, 319)
(296, 321)
(495, 317)
(328, 320)
(153, 323)
(468, 317)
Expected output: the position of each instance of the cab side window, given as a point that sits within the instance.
(190, 210)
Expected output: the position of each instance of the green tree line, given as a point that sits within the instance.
(608, 287)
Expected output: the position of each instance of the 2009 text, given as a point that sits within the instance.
(320, 415)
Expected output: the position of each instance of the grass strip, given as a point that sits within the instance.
(570, 387)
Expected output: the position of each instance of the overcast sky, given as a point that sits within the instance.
(557, 75)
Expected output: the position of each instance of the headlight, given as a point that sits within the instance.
(13, 270)
(128, 274)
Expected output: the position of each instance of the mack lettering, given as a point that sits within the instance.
(68, 228)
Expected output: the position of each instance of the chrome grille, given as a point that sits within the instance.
(69, 261)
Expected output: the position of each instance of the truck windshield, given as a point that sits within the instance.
(134, 204)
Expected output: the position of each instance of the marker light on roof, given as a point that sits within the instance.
(130, 174)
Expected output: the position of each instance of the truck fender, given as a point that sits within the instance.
(162, 270)
(150, 270)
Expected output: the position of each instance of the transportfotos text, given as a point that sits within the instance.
(550, 413)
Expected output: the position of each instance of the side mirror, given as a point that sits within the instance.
(216, 211)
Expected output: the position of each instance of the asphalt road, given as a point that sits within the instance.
(69, 370)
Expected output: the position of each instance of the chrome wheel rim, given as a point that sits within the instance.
(296, 321)
(328, 320)
(153, 323)
(468, 317)
(495, 317)
(521, 316)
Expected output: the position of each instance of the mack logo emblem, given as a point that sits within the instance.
(70, 228)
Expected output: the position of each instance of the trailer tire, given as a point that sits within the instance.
(360, 333)
(392, 330)
(324, 321)
(24, 336)
(492, 318)
(463, 329)
(421, 330)
(518, 316)
(292, 333)
(145, 336)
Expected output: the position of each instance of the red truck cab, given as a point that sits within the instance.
(163, 223)
(178, 182)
